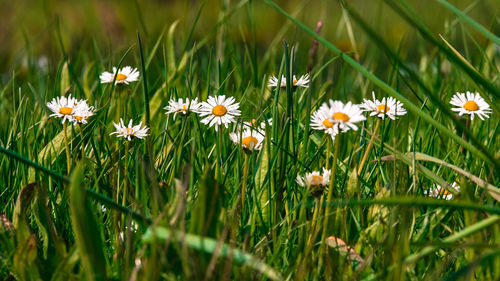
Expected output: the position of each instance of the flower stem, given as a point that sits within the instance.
(81, 137)
(68, 160)
(329, 198)
(218, 163)
(125, 179)
(370, 144)
(246, 167)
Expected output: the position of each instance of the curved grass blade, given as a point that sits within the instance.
(209, 245)
(87, 231)
(455, 237)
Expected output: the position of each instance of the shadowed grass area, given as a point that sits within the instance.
(187, 202)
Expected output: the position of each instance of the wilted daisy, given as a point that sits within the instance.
(124, 75)
(63, 107)
(303, 81)
(181, 106)
(219, 110)
(470, 103)
(250, 139)
(390, 107)
(320, 120)
(344, 116)
(440, 192)
(315, 181)
(82, 112)
(130, 131)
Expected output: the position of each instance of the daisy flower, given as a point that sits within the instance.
(253, 124)
(390, 107)
(440, 192)
(320, 120)
(130, 131)
(250, 139)
(82, 112)
(183, 107)
(63, 107)
(315, 181)
(124, 75)
(470, 103)
(219, 110)
(344, 116)
(303, 81)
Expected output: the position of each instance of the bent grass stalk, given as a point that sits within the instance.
(370, 144)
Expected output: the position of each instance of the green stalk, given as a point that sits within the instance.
(125, 179)
(218, 163)
(329, 198)
(246, 167)
(81, 137)
(370, 144)
(68, 160)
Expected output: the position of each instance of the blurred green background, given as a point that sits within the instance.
(30, 28)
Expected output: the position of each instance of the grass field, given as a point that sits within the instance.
(297, 182)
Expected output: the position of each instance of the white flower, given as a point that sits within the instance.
(344, 116)
(315, 181)
(390, 107)
(63, 107)
(130, 131)
(82, 112)
(253, 124)
(250, 139)
(124, 75)
(440, 192)
(320, 120)
(183, 107)
(303, 81)
(470, 103)
(219, 110)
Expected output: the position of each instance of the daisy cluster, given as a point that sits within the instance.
(70, 109)
(332, 117)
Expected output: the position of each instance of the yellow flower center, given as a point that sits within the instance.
(327, 123)
(121, 77)
(249, 141)
(130, 131)
(219, 110)
(341, 116)
(471, 105)
(444, 192)
(253, 121)
(316, 180)
(66, 110)
(383, 109)
(184, 107)
(295, 82)
(79, 118)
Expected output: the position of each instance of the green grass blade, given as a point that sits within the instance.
(495, 39)
(87, 231)
(210, 245)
